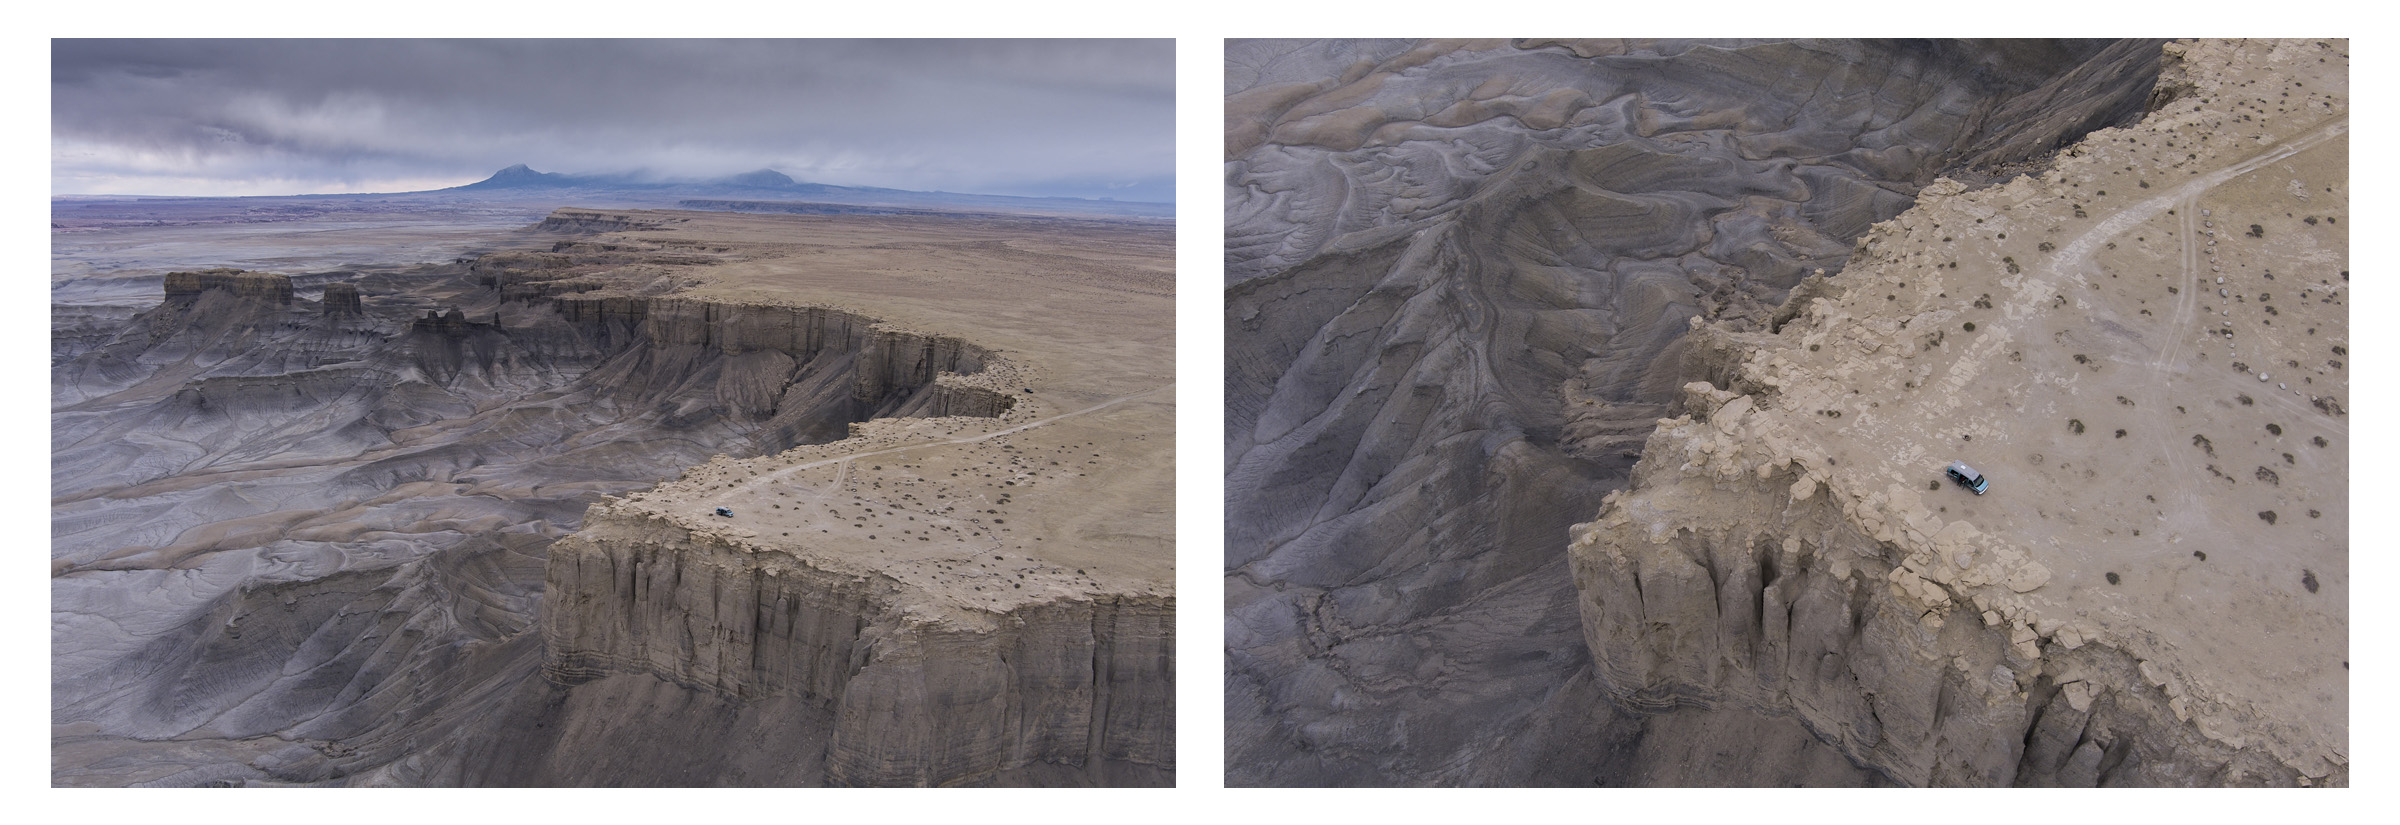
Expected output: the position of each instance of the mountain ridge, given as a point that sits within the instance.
(524, 176)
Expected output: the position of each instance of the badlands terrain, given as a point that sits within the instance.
(1587, 404)
(357, 522)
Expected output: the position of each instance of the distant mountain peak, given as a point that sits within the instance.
(518, 176)
(763, 177)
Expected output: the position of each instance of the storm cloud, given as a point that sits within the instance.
(1077, 118)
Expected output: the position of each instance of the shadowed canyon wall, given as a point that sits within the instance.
(914, 695)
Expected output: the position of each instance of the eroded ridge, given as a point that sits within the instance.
(2144, 348)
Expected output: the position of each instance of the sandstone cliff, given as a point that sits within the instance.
(2130, 604)
(594, 221)
(919, 693)
(807, 370)
(260, 287)
(341, 300)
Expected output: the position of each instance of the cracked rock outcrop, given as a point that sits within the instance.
(918, 694)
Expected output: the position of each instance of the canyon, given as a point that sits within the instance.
(1587, 404)
(457, 522)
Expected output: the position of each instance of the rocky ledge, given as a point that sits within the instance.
(262, 287)
(920, 692)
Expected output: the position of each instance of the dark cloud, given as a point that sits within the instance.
(1073, 117)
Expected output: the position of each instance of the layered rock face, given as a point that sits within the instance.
(889, 362)
(2143, 348)
(259, 287)
(341, 300)
(1461, 273)
(595, 221)
(779, 356)
(916, 694)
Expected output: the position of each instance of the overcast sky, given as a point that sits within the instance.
(1078, 118)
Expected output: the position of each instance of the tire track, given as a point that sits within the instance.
(2180, 333)
(2076, 256)
(2179, 329)
(2075, 261)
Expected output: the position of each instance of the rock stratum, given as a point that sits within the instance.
(1462, 282)
(408, 533)
(916, 695)
(2144, 347)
